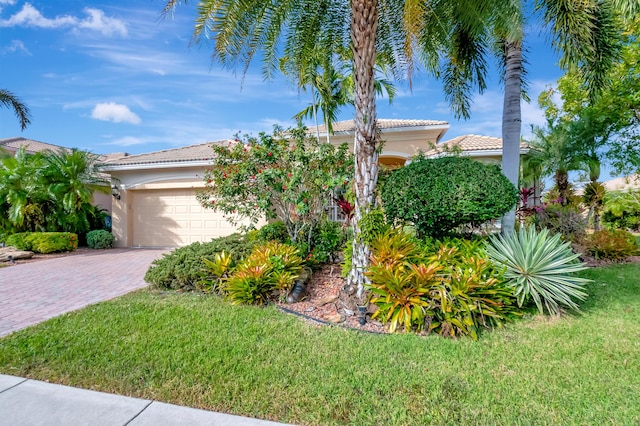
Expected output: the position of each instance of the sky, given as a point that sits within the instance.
(113, 76)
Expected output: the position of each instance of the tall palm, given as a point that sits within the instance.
(10, 100)
(392, 28)
(585, 33)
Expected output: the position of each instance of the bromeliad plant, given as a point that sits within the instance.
(269, 271)
(448, 290)
(539, 267)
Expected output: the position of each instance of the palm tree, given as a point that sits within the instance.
(391, 28)
(585, 33)
(24, 202)
(72, 181)
(9, 100)
(553, 151)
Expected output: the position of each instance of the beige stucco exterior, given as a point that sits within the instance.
(158, 208)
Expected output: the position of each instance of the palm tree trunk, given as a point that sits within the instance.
(363, 35)
(511, 122)
(562, 182)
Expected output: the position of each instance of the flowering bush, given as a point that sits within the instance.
(288, 175)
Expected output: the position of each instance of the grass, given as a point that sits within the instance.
(199, 351)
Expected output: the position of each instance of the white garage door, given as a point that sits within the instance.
(172, 218)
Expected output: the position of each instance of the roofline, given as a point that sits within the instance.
(106, 167)
(393, 129)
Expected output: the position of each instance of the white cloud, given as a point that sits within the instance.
(117, 113)
(16, 46)
(128, 141)
(96, 20)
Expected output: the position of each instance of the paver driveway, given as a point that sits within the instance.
(33, 292)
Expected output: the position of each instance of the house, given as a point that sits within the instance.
(623, 183)
(155, 204)
(31, 146)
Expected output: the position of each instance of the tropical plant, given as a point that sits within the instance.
(182, 269)
(539, 266)
(287, 175)
(449, 288)
(593, 198)
(217, 270)
(615, 244)
(444, 33)
(10, 100)
(72, 181)
(586, 35)
(567, 221)
(438, 195)
(269, 271)
(622, 210)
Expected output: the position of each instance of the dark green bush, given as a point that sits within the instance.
(328, 239)
(275, 231)
(99, 239)
(44, 242)
(182, 269)
(438, 195)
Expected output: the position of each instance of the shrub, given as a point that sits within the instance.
(613, 244)
(99, 239)
(567, 221)
(328, 238)
(622, 210)
(276, 231)
(182, 269)
(269, 271)
(451, 292)
(44, 242)
(539, 266)
(438, 195)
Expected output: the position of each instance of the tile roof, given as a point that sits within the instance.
(383, 123)
(473, 143)
(200, 152)
(31, 146)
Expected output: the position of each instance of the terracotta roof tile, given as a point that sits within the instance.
(383, 123)
(30, 145)
(472, 143)
(200, 152)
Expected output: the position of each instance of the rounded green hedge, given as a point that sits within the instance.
(438, 195)
(99, 239)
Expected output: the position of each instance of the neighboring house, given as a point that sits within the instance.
(156, 204)
(31, 146)
(623, 183)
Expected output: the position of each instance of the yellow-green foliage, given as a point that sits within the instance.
(44, 242)
(612, 244)
(450, 291)
(269, 271)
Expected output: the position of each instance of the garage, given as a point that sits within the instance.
(172, 218)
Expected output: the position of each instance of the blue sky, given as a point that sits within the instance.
(112, 76)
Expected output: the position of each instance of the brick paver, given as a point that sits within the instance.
(34, 292)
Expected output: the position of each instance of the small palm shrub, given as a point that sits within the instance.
(182, 269)
(269, 271)
(539, 267)
(44, 242)
(372, 225)
(450, 291)
(614, 244)
(99, 239)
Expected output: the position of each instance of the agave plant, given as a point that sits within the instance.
(539, 266)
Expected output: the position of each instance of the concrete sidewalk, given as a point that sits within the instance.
(31, 402)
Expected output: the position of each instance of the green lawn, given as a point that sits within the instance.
(198, 351)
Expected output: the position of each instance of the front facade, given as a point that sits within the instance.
(155, 202)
